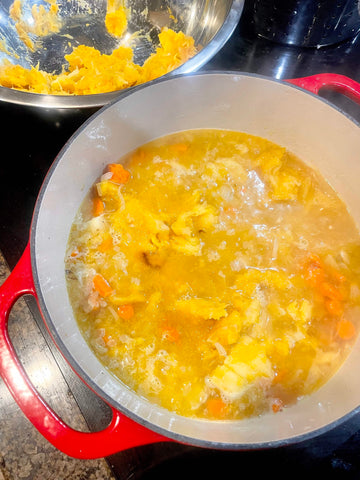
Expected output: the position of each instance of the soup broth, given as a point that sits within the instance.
(215, 274)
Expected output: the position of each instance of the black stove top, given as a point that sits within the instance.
(31, 139)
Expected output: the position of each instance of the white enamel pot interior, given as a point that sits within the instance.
(311, 128)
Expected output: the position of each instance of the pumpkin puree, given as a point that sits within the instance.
(88, 70)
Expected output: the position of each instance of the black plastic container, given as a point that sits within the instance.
(306, 23)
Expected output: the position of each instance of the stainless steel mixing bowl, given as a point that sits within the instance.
(209, 22)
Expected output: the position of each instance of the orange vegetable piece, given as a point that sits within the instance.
(277, 405)
(330, 291)
(334, 307)
(319, 279)
(216, 407)
(314, 259)
(102, 286)
(106, 244)
(119, 174)
(169, 333)
(126, 312)
(98, 206)
(345, 329)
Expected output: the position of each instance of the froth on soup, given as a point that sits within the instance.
(216, 274)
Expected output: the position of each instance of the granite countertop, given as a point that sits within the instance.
(24, 453)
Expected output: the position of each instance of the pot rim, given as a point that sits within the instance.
(68, 355)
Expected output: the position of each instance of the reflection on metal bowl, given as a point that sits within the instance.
(209, 22)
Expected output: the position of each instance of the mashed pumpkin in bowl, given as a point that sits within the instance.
(215, 274)
(85, 69)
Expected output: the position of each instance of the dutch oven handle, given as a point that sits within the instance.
(331, 81)
(120, 434)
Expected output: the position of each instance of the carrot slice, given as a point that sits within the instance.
(330, 291)
(314, 275)
(277, 405)
(126, 312)
(216, 407)
(119, 174)
(334, 307)
(326, 283)
(169, 333)
(98, 206)
(345, 329)
(102, 286)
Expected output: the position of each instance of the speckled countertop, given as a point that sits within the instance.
(24, 453)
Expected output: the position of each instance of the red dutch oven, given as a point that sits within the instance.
(283, 112)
